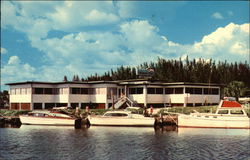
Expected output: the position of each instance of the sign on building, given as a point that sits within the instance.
(145, 73)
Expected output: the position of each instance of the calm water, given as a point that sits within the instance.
(119, 143)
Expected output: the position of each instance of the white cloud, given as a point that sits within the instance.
(217, 15)
(15, 71)
(13, 60)
(97, 17)
(36, 19)
(3, 50)
(86, 52)
(72, 15)
(231, 40)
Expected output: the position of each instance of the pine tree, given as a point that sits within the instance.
(65, 79)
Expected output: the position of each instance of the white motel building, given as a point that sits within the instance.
(33, 95)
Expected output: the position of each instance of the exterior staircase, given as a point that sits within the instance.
(121, 101)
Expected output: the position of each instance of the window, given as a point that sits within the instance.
(55, 90)
(179, 90)
(135, 90)
(132, 90)
(215, 91)
(116, 114)
(49, 105)
(75, 91)
(169, 91)
(23, 91)
(159, 91)
(151, 90)
(38, 90)
(12, 91)
(223, 112)
(37, 105)
(18, 90)
(84, 91)
(236, 112)
(189, 90)
(91, 91)
(61, 91)
(197, 90)
(48, 90)
(205, 90)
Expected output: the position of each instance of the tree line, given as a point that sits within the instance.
(172, 70)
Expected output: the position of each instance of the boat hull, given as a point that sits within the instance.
(215, 121)
(111, 121)
(30, 120)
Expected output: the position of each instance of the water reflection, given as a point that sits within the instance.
(169, 142)
(213, 132)
(42, 127)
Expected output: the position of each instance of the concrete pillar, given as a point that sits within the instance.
(31, 106)
(125, 91)
(69, 104)
(185, 97)
(43, 105)
(79, 105)
(106, 105)
(145, 95)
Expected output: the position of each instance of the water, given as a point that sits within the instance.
(122, 143)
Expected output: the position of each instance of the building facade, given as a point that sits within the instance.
(32, 95)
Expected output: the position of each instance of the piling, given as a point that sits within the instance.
(82, 123)
(165, 120)
(9, 121)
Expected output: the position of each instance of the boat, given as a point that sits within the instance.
(53, 117)
(229, 114)
(121, 118)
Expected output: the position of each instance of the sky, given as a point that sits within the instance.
(45, 40)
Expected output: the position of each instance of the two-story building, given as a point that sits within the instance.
(103, 94)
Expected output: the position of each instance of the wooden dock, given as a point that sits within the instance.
(10, 121)
(164, 120)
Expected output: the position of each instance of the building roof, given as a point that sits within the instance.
(68, 82)
(120, 82)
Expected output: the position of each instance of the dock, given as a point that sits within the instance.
(165, 120)
(7, 121)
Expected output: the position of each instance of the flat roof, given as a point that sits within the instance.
(68, 82)
(121, 82)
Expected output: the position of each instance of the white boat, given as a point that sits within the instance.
(121, 118)
(47, 118)
(229, 114)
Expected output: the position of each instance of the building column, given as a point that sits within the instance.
(69, 104)
(31, 106)
(145, 95)
(43, 105)
(185, 97)
(79, 105)
(106, 105)
(125, 91)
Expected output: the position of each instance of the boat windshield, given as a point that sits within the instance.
(115, 115)
(223, 112)
(236, 112)
(39, 114)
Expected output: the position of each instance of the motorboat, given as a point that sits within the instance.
(121, 118)
(229, 114)
(47, 118)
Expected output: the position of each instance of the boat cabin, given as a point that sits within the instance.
(227, 107)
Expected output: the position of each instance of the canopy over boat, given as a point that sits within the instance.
(230, 104)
